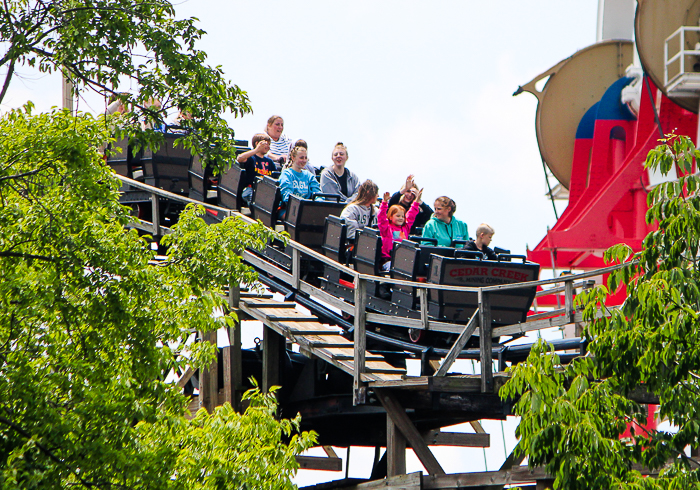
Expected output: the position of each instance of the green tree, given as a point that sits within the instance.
(573, 416)
(100, 45)
(89, 330)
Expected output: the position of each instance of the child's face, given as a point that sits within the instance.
(486, 238)
(263, 146)
(399, 218)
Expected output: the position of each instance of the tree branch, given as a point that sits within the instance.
(18, 176)
(8, 77)
(26, 256)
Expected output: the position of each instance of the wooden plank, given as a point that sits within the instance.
(291, 318)
(321, 463)
(360, 340)
(273, 345)
(485, 342)
(413, 437)
(208, 379)
(327, 298)
(416, 383)
(461, 439)
(467, 480)
(250, 294)
(330, 452)
(395, 449)
(459, 344)
(375, 367)
(325, 342)
(412, 481)
(546, 314)
(376, 378)
(348, 354)
(185, 377)
(269, 304)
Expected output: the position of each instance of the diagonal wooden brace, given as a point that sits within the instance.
(398, 415)
(459, 344)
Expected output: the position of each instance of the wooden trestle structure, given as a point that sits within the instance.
(397, 411)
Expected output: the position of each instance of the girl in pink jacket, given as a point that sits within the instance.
(395, 224)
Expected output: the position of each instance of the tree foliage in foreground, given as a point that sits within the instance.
(135, 49)
(573, 416)
(89, 330)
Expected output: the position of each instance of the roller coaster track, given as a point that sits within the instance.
(333, 330)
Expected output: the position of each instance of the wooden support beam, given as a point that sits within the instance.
(398, 415)
(413, 481)
(273, 348)
(461, 439)
(330, 452)
(476, 425)
(569, 300)
(185, 377)
(485, 343)
(209, 379)
(459, 344)
(395, 449)
(321, 463)
(232, 355)
(270, 304)
(360, 342)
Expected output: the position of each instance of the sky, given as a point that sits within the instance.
(410, 87)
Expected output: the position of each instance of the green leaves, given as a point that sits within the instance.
(99, 44)
(573, 416)
(89, 330)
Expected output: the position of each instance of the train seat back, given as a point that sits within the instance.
(410, 263)
(119, 161)
(266, 201)
(231, 187)
(335, 243)
(168, 167)
(305, 220)
(507, 307)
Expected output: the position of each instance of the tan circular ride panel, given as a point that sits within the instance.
(654, 21)
(575, 84)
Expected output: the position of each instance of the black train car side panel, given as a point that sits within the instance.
(507, 307)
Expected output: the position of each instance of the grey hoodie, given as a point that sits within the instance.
(358, 216)
(330, 184)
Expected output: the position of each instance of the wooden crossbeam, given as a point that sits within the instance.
(461, 439)
(291, 318)
(413, 437)
(270, 304)
(322, 463)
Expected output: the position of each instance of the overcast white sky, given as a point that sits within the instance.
(410, 87)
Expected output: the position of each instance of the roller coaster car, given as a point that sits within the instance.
(266, 201)
(410, 263)
(231, 185)
(168, 167)
(507, 307)
(305, 219)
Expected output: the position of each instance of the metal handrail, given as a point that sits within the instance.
(358, 308)
(681, 54)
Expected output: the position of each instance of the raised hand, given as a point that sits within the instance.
(407, 185)
(387, 196)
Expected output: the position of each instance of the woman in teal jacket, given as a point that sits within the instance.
(443, 226)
